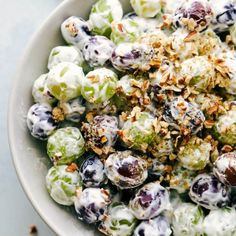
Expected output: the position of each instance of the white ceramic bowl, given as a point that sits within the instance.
(29, 155)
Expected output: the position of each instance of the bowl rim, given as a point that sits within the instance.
(12, 98)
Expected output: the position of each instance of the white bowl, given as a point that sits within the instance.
(29, 155)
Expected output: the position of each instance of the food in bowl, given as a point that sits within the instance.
(138, 115)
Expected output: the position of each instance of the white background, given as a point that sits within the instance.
(18, 20)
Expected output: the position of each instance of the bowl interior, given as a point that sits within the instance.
(29, 155)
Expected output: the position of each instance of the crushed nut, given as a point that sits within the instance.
(58, 114)
(72, 167)
(33, 229)
(226, 148)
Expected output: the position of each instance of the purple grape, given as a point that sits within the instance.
(74, 30)
(228, 16)
(183, 116)
(156, 226)
(225, 168)
(132, 56)
(73, 109)
(224, 15)
(92, 172)
(126, 170)
(207, 191)
(40, 121)
(197, 11)
(150, 201)
(91, 204)
(97, 50)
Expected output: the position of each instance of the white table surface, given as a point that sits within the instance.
(18, 20)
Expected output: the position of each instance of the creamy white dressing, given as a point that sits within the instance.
(198, 66)
(226, 122)
(99, 80)
(229, 58)
(65, 54)
(67, 78)
(116, 9)
(182, 48)
(158, 226)
(116, 214)
(101, 19)
(146, 8)
(35, 122)
(73, 109)
(233, 33)
(171, 6)
(95, 196)
(125, 30)
(57, 180)
(97, 177)
(195, 156)
(222, 164)
(40, 90)
(128, 56)
(209, 198)
(97, 50)
(181, 178)
(73, 32)
(144, 123)
(220, 222)
(187, 220)
(155, 207)
(147, 25)
(119, 160)
(69, 140)
(125, 84)
(110, 128)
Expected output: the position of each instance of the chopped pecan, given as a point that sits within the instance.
(58, 114)
(72, 167)
(33, 229)
(226, 148)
